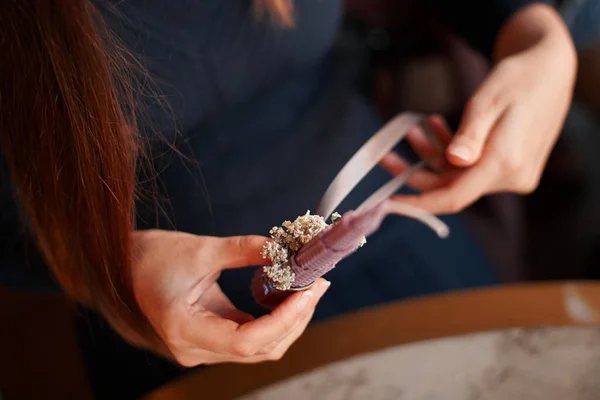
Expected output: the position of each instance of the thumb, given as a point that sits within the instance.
(240, 251)
(477, 122)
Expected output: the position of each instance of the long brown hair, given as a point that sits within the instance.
(68, 133)
(71, 148)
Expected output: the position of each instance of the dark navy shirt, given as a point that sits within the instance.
(266, 116)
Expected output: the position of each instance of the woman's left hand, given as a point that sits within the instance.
(511, 123)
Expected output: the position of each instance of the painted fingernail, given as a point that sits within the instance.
(304, 299)
(462, 152)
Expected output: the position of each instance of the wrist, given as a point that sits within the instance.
(534, 26)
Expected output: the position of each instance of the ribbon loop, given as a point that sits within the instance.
(366, 158)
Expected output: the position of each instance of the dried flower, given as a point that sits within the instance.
(287, 240)
(275, 252)
(334, 217)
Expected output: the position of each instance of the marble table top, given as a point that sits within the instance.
(518, 364)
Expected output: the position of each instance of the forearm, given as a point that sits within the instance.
(478, 22)
(538, 32)
(536, 24)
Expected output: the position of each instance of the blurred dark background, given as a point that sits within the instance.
(409, 63)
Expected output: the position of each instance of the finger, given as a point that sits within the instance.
(198, 355)
(427, 149)
(435, 135)
(217, 302)
(478, 120)
(239, 251)
(441, 129)
(430, 141)
(238, 316)
(209, 330)
(278, 351)
(320, 288)
(422, 144)
(278, 348)
(421, 180)
(456, 196)
(253, 336)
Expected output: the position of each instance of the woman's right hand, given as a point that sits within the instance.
(175, 283)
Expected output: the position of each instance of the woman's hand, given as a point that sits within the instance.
(175, 285)
(511, 123)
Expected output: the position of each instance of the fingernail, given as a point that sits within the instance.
(323, 288)
(304, 299)
(462, 152)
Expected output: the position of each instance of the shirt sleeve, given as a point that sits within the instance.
(478, 21)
